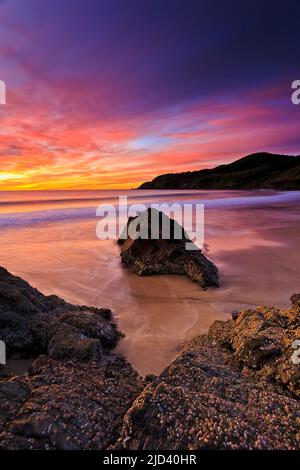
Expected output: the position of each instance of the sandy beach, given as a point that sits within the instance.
(255, 249)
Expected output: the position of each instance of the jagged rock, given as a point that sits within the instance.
(76, 392)
(235, 388)
(36, 425)
(71, 405)
(69, 343)
(12, 395)
(91, 324)
(147, 255)
(261, 341)
(295, 299)
(256, 339)
(32, 324)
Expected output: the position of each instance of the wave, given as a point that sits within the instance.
(22, 219)
(248, 201)
(142, 195)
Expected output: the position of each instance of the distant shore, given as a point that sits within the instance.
(256, 171)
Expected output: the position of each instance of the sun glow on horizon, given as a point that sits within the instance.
(51, 148)
(106, 96)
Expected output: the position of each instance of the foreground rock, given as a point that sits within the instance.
(164, 256)
(66, 405)
(32, 324)
(235, 388)
(238, 387)
(76, 392)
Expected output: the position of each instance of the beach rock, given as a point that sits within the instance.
(76, 392)
(13, 394)
(36, 425)
(265, 342)
(69, 343)
(235, 388)
(256, 339)
(33, 324)
(238, 387)
(18, 296)
(295, 299)
(71, 405)
(153, 254)
(91, 323)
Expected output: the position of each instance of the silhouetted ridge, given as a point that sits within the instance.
(256, 171)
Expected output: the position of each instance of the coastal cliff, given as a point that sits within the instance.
(256, 171)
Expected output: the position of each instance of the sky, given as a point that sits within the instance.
(110, 93)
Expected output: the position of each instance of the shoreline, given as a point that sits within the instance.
(158, 314)
(256, 250)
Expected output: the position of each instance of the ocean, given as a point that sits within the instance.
(49, 239)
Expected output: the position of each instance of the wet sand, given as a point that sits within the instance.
(256, 251)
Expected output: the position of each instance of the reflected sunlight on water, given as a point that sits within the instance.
(252, 237)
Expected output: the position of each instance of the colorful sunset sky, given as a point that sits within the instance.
(110, 93)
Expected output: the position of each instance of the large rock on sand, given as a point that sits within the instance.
(149, 255)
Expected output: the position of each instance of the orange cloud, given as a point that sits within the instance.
(46, 144)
